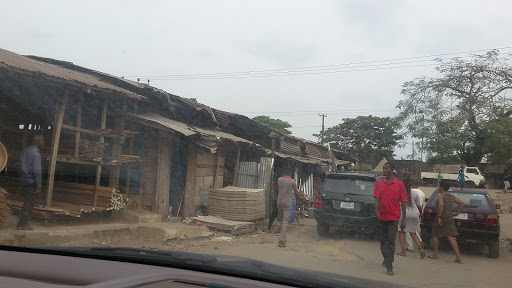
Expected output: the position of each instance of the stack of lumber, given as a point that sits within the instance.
(88, 150)
(235, 203)
(81, 194)
(129, 158)
(4, 208)
(58, 209)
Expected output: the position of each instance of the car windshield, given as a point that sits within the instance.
(349, 186)
(199, 126)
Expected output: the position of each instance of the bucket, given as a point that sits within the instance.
(292, 215)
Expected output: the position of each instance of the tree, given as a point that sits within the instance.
(463, 113)
(274, 124)
(368, 138)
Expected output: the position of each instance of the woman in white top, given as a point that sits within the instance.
(413, 215)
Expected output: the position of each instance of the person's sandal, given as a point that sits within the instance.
(458, 261)
(422, 254)
(281, 244)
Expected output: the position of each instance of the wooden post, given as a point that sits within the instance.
(190, 186)
(102, 140)
(129, 169)
(216, 176)
(163, 182)
(117, 150)
(78, 125)
(57, 127)
(237, 165)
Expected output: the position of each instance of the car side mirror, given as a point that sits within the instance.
(498, 206)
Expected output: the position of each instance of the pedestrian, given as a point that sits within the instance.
(506, 181)
(444, 226)
(389, 193)
(415, 190)
(412, 219)
(30, 176)
(460, 177)
(287, 188)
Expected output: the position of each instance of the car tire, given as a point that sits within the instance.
(494, 249)
(323, 229)
(470, 184)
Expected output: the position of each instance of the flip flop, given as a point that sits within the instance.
(433, 257)
(281, 244)
(422, 254)
(402, 254)
(458, 261)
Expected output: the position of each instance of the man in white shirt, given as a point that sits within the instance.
(414, 189)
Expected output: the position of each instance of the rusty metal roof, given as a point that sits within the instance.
(21, 64)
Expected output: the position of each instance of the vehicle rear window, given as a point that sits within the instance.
(471, 201)
(344, 185)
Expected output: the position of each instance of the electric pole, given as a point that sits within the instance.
(323, 122)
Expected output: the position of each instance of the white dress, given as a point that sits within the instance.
(412, 214)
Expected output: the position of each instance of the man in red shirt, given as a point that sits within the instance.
(389, 193)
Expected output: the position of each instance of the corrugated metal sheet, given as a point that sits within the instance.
(265, 181)
(317, 151)
(248, 175)
(307, 187)
(18, 63)
(290, 149)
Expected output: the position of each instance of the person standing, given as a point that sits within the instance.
(460, 177)
(413, 208)
(389, 193)
(444, 226)
(287, 188)
(415, 190)
(30, 176)
(506, 181)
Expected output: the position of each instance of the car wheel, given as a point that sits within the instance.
(470, 184)
(322, 228)
(494, 249)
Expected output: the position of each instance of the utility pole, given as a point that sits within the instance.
(323, 122)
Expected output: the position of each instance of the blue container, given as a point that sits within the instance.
(292, 215)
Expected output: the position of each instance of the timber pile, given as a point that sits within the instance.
(88, 150)
(5, 211)
(235, 203)
(81, 194)
(129, 158)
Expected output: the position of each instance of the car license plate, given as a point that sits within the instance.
(461, 216)
(347, 205)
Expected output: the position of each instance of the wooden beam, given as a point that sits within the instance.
(163, 182)
(190, 186)
(220, 157)
(117, 149)
(237, 165)
(91, 132)
(102, 140)
(78, 125)
(129, 168)
(57, 127)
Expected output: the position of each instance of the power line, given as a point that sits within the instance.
(325, 69)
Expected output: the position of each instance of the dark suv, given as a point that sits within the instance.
(478, 221)
(346, 201)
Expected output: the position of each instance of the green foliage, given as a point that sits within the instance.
(463, 113)
(274, 124)
(368, 138)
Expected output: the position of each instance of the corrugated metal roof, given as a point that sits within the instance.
(189, 130)
(18, 63)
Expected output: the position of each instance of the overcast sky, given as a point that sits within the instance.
(164, 39)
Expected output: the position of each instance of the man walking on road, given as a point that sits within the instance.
(287, 187)
(389, 193)
(30, 174)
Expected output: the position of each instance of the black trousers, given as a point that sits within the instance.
(29, 199)
(273, 217)
(388, 231)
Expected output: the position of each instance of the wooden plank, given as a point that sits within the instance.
(117, 148)
(78, 125)
(237, 164)
(102, 140)
(220, 160)
(190, 186)
(163, 182)
(57, 127)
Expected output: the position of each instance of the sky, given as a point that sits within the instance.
(290, 60)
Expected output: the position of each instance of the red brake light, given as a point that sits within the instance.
(492, 219)
(318, 202)
(429, 213)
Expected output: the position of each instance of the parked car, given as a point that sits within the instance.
(346, 201)
(478, 221)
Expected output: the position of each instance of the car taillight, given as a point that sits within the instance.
(492, 219)
(429, 213)
(318, 202)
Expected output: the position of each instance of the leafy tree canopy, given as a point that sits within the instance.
(274, 124)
